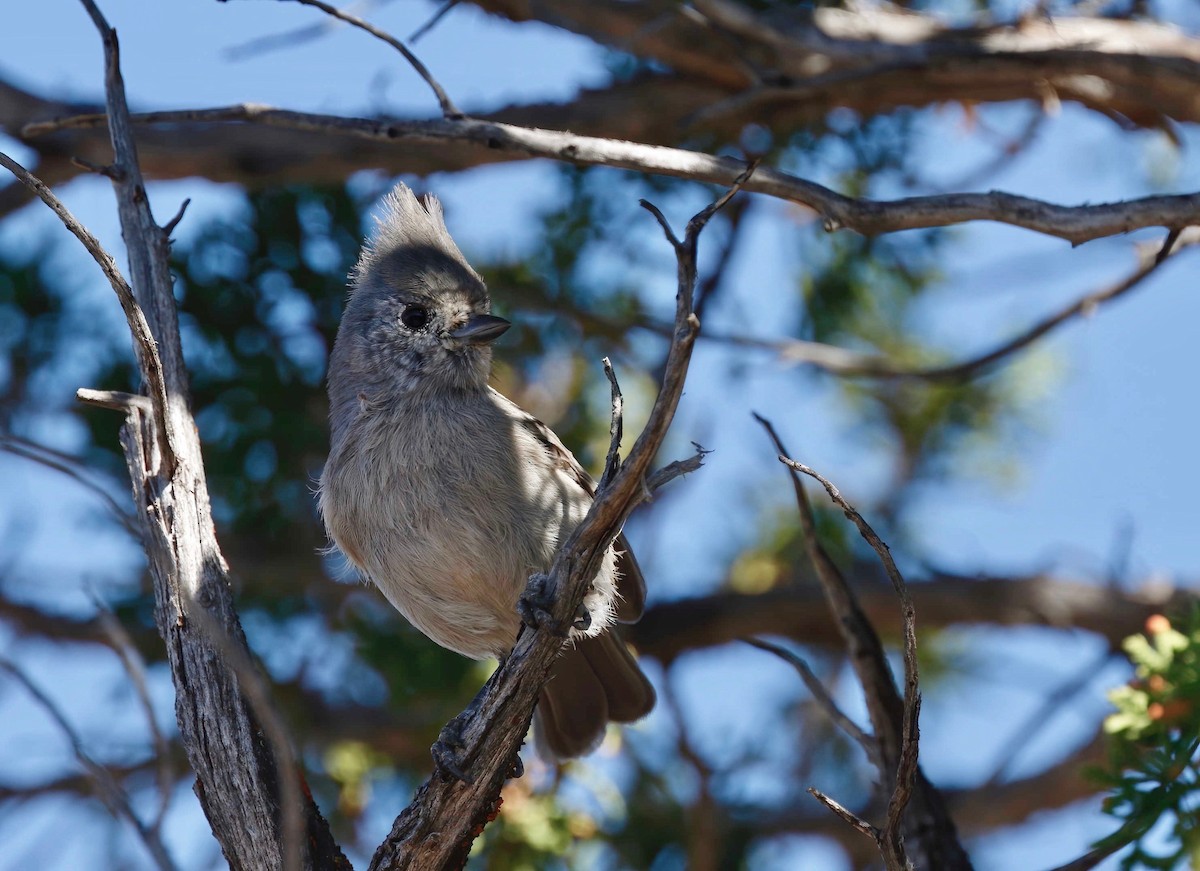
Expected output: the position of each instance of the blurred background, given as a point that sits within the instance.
(1042, 508)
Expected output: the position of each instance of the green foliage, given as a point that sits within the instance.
(1154, 774)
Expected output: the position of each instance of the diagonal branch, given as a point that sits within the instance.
(439, 826)
(906, 769)
(823, 697)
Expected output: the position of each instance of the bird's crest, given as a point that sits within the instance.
(408, 228)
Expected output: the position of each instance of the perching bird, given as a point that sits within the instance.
(445, 494)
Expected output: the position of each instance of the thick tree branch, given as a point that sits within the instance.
(1075, 224)
(670, 629)
(800, 63)
(237, 780)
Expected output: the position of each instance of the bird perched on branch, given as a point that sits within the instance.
(446, 495)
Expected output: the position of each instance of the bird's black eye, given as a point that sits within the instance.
(414, 317)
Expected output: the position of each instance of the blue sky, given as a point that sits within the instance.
(1116, 414)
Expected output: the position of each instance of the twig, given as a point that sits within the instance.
(143, 339)
(110, 792)
(822, 696)
(893, 718)
(1075, 224)
(122, 644)
(275, 41)
(433, 20)
(169, 227)
(437, 829)
(616, 427)
(852, 364)
(906, 771)
(1052, 705)
(116, 400)
(69, 466)
(735, 215)
(857, 822)
(449, 110)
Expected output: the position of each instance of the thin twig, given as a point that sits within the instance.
(906, 771)
(275, 41)
(169, 227)
(116, 400)
(616, 427)
(71, 467)
(135, 666)
(449, 110)
(893, 718)
(822, 696)
(433, 20)
(139, 326)
(857, 822)
(1075, 224)
(1054, 704)
(853, 364)
(109, 791)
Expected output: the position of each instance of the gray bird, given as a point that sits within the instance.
(446, 495)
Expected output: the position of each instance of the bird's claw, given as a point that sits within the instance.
(535, 605)
(448, 752)
(583, 619)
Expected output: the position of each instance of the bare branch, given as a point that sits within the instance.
(1055, 703)
(71, 467)
(238, 781)
(857, 822)
(822, 697)
(143, 338)
(254, 690)
(906, 770)
(612, 462)
(449, 110)
(122, 644)
(275, 41)
(437, 16)
(110, 792)
(853, 364)
(1075, 224)
(928, 825)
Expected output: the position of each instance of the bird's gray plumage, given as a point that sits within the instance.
(445, 494)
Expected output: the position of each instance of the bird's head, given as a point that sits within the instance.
(418, 317)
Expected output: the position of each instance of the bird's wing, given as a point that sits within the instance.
(631, 585)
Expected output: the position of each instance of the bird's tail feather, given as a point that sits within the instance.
(593, 682)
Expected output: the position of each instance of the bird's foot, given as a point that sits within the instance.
(449, 751)
(536, 609)
(536, 605)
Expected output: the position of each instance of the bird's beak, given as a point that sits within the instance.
(480, 329)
